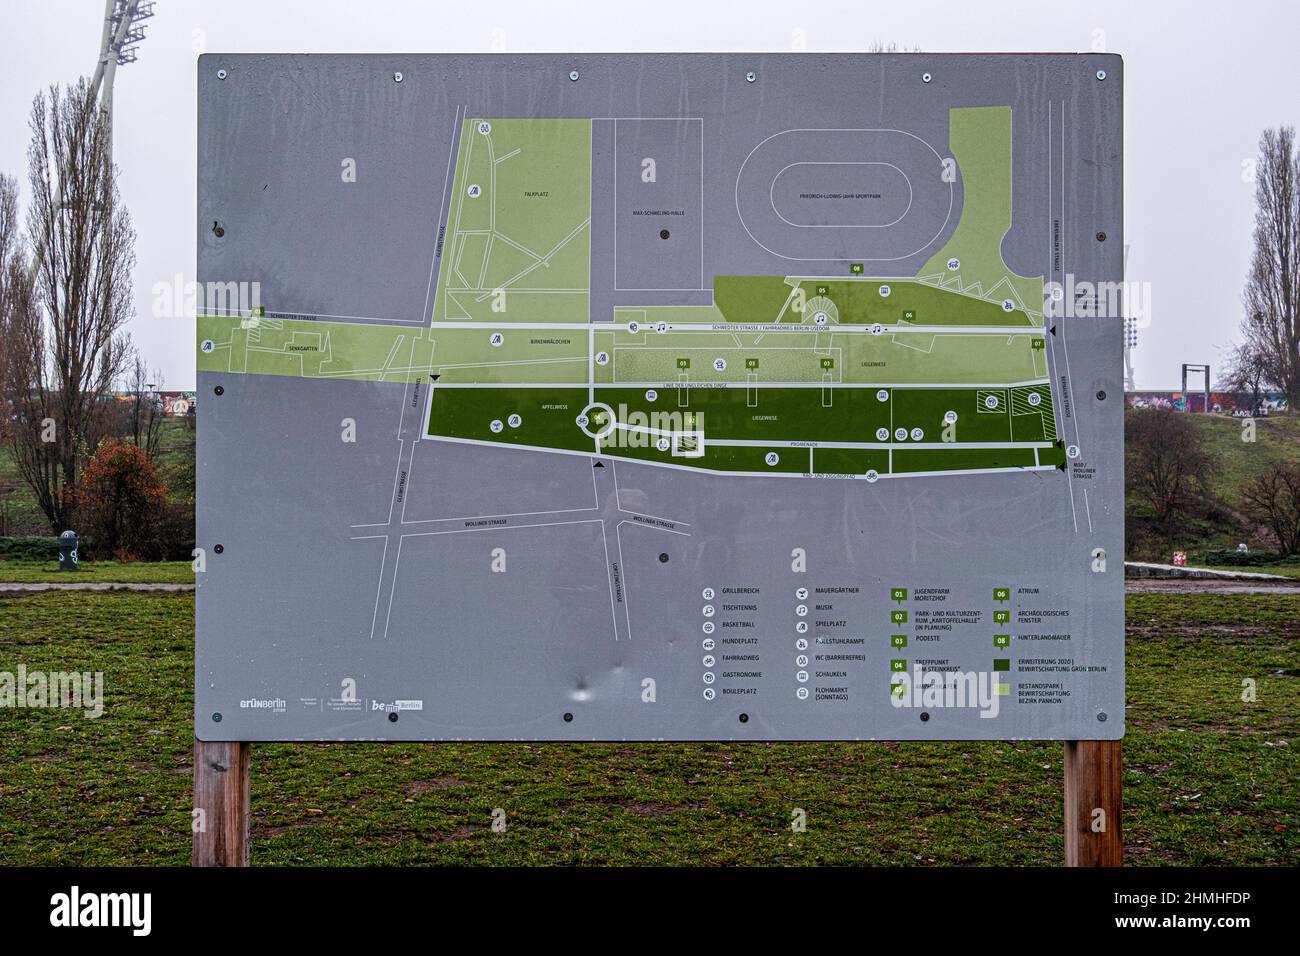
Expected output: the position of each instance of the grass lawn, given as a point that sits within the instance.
(1208, 778)
(152, 572)
(1277, 439)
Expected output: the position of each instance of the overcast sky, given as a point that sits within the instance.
(1202, 80)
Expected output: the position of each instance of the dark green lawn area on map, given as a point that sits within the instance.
(780, 415)
(548, 415)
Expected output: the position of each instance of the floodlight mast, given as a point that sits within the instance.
(121, 36)
(122, 33)
(1130, 343)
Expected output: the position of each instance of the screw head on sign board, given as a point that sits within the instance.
(397, 77)
(573, 76)
(1102, 716)
(751, 76)
(744, 718)
(1101, 237)
(219, 390)
(1101, 74)
(219, 548)
(568, 718)
(221, 74)
(216, 718)
(926, 77)
(392, 717)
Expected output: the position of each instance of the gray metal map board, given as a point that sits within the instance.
(660, 397)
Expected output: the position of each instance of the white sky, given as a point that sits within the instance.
(1202, 80)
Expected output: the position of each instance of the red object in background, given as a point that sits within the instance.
(1180, 558)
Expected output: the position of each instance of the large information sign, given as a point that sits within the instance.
(665, 397)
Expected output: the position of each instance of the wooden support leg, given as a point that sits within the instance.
(1094, 802)
(221, 778)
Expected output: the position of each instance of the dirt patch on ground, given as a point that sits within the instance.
(641, 808)
(462, 832)
(1205, 586)
(179, 770)
(417, 788)
(1247, 632)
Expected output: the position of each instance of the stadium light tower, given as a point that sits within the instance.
(122, 32)
(1130, 343)
(121, 36)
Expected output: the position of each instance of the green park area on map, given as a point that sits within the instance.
(842, 376)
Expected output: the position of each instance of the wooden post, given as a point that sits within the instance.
(1094, 802)
(221, 778)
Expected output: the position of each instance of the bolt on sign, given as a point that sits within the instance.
(660, 397)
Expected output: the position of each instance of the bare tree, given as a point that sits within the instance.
(1165, 464)
(66, 344)
(144, 416)
(1247, 371)
(1272, 296)
(1273, 499)
(8, 216)
(12, 278)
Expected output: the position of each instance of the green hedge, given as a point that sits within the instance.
(1249, 559)
(29, 548)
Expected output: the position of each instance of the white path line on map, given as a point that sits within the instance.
(702, 326)
(392, 589)
(1065, 347)
(609, 576)
(696, 469)
(542, 261)
(702, 201)
(622, 570)
(651, 527)
(442, 207)
(664, 383)
(510, 527)
(798, 443)
(416, 522)
(289, 315)
(379, 587)
(1051, 260)
(401, 446)
(410, 468)
(419, 427)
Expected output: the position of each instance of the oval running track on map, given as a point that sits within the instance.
(856, 194)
